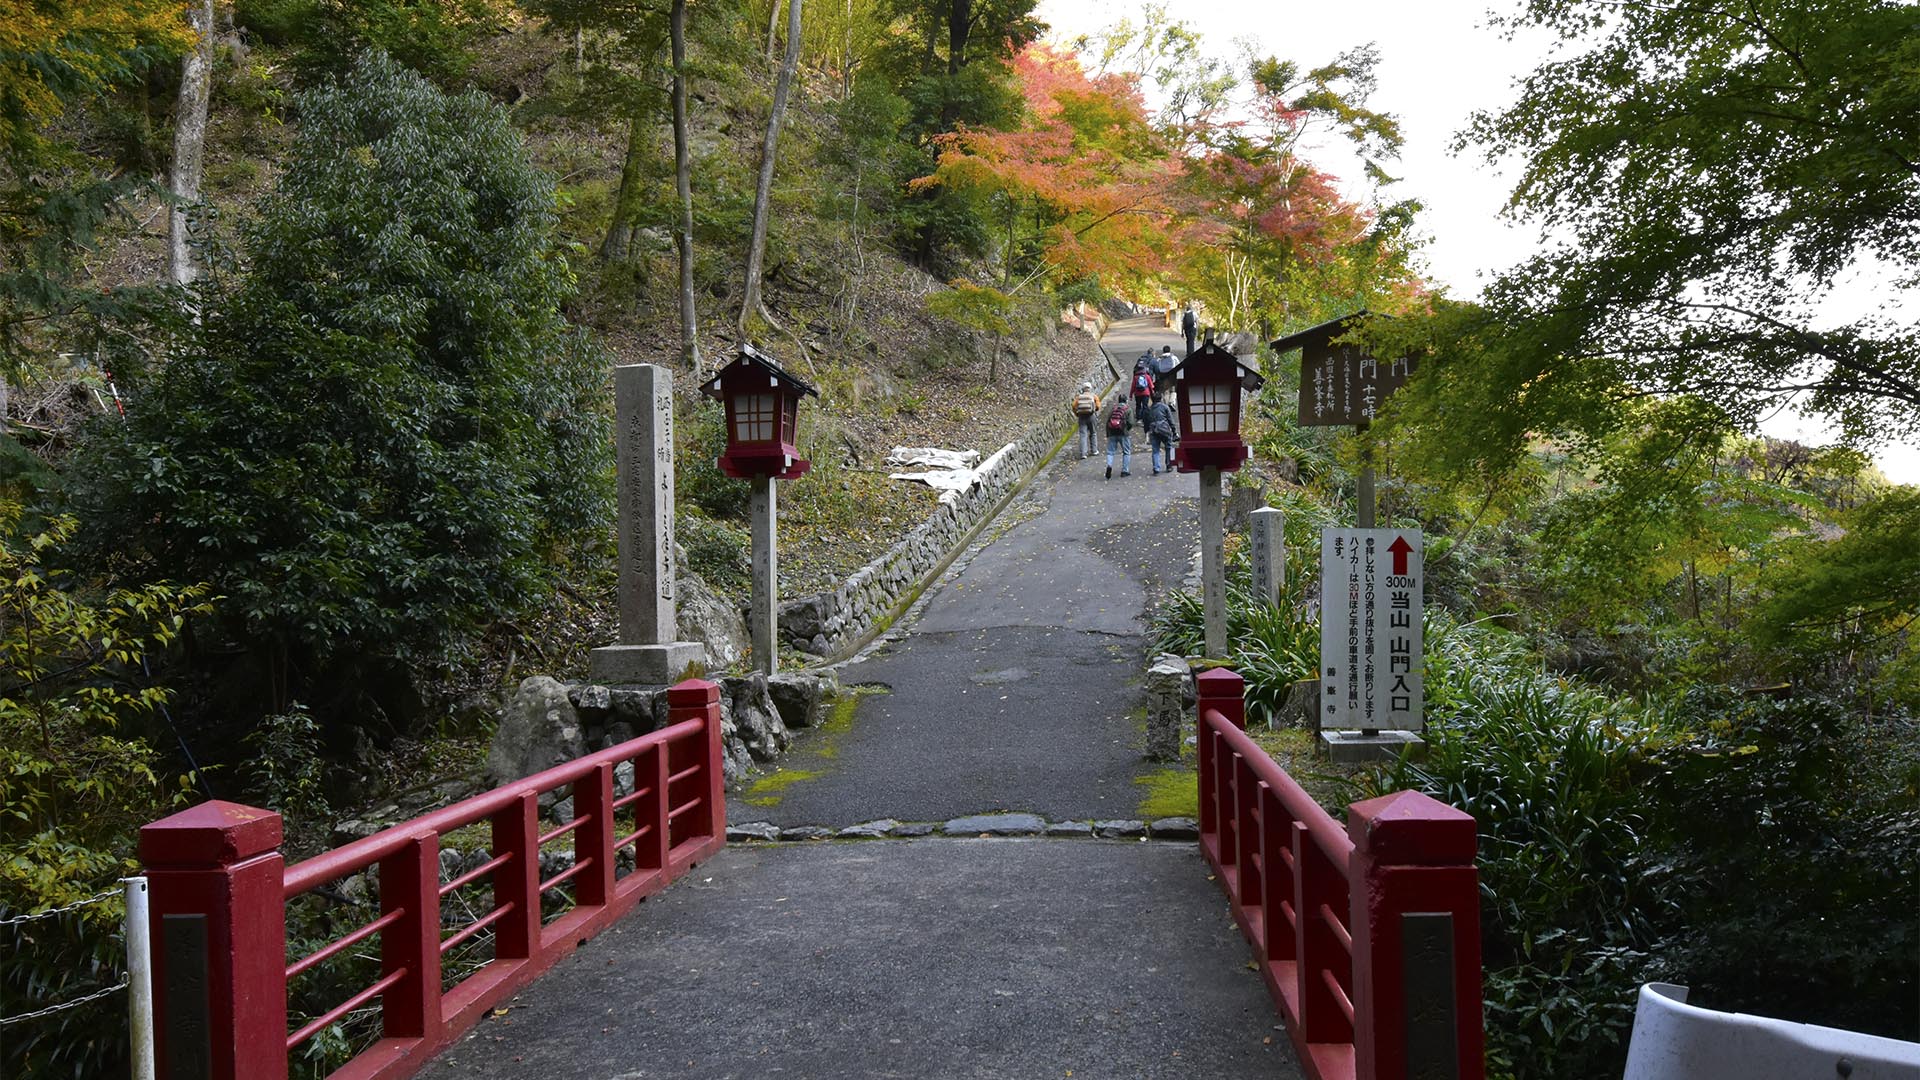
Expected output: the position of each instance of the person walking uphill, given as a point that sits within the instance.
(1160, 430)
(1142, 388)
(1120, 437)
(1190, 326)
(1086, 406)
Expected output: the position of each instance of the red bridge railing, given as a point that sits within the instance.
(219, 890)
(1368, 937)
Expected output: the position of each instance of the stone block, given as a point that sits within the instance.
(995, 825)
(1174, 828)
(1354, 747)
(1169, 689)
(643, 665)
(868, 830)
(538, 729)
(1125, 828)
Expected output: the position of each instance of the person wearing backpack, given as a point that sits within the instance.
(1086, 406)
(1160, 432)
(1120, 436)
(1190, 326)
(1142, 388)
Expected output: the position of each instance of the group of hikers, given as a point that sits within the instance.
(1141, 405)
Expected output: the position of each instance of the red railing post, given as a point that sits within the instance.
(1224, 692)
(1246, 830)
(1277, 871)
(1416, 940)
(698, 699)
(218, 917)
(410, 883)
(516, 832)
(593, 840)
(1318, 888)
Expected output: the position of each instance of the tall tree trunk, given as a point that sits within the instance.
(189, 141)
(773, 29)
(620, 230)
(683, 186)
(763, 197)
(959, 25)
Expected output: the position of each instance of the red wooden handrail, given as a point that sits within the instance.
(218, 884)
(1368, 937)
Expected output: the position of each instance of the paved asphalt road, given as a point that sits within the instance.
(1016, 688)
(929, 959)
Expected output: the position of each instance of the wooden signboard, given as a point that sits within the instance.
(1341, 385)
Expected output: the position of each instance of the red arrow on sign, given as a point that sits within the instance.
(1401, 549)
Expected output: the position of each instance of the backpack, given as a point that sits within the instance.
(1143, 383)
(1085, 405)
(1117, 419)
(1160, 421)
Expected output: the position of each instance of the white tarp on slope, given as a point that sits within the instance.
(949, 472)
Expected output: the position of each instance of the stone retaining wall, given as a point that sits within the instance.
(834, 623)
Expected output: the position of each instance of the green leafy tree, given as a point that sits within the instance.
(386, 427)
(77, 780)
(60, 63)
(1715, 172)
(1855, 595)
(434, 37)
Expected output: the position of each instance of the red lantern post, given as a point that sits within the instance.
(762, 402)
(1209, 383)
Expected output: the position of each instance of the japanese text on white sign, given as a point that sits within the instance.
(1372, 658)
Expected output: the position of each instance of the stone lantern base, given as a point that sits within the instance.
(642, 665)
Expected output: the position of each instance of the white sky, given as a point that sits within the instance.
(1439, 61)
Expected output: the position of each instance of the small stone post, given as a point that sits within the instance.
(1268, 528)
(1213, 569)
(647, 651)
(764, 618)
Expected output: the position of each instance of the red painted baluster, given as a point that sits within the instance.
(1321, 886)
(593, 840)
(1228, 765)
(1246, 829)
(410, 882)
(219, 861)
(1276, 836)
(698, 699)
(1413, 855)
(660, 840)
(516, 832)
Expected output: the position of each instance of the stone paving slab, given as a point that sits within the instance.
(942, 959)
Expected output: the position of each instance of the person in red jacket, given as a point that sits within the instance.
(1142, 389)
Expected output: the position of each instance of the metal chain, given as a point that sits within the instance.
(51, 1009)
(51, 912)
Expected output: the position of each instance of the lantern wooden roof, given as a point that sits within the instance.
(1208, 358)
(749, 361)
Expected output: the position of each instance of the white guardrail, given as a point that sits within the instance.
(1673, 1040)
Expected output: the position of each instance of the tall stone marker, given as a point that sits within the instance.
(647, 652)
(1269, 544)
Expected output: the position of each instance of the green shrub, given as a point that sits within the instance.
(719, 552)
(386, 429)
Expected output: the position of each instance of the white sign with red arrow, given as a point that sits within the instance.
(1372, 657)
